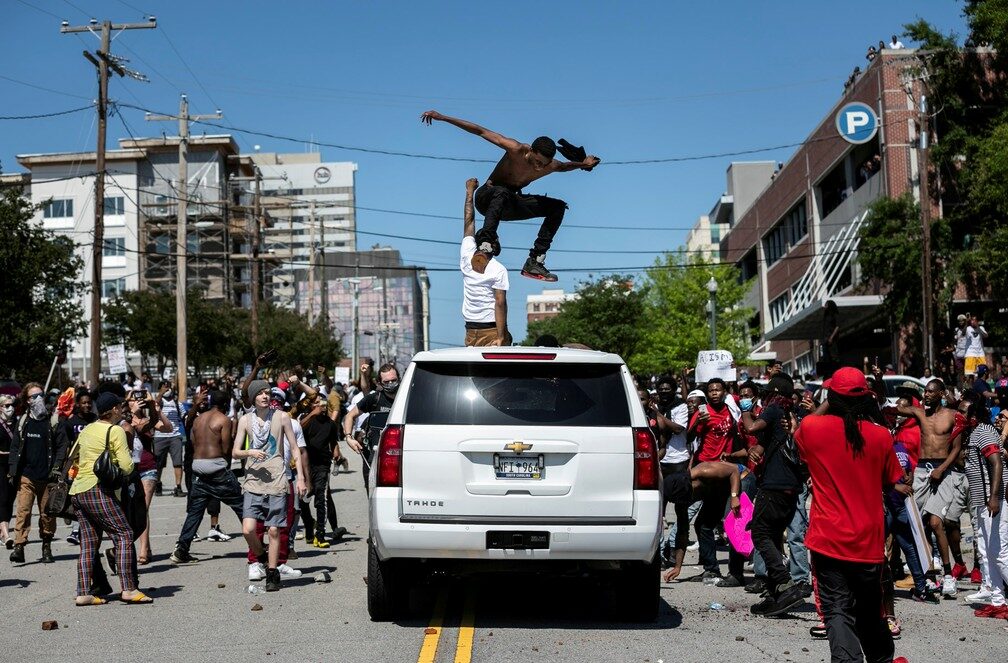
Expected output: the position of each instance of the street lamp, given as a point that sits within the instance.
(712, 310)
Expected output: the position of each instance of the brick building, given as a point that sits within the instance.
(799, 238)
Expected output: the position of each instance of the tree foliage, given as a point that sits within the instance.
(659, 323)
(605, 316)
(40, 289)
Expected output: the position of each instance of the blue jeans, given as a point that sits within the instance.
(798, 562)
(898, 525)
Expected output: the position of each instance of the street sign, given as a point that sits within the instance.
(116, 358)
(857, 123)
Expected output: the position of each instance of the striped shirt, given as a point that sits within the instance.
(983, 443)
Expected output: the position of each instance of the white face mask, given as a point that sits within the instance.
(38, 408)
(6, 412)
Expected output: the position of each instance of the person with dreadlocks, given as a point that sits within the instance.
(501, 198)
(850, 457)
(777, 498)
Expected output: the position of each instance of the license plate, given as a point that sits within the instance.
(519, 467)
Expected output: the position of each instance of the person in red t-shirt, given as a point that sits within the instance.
(715, 430)
(851, 461)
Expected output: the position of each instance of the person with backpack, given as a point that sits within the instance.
(31, 461)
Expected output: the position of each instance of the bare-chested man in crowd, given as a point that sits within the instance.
(501, 198)
(937, 481)
(211, 467)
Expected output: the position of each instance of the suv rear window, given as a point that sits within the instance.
(508, 393)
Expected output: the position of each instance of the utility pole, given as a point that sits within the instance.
(925, 212)
(311, 266)
(103, 61)
(256, 242)
(325, 279)
(181, 235)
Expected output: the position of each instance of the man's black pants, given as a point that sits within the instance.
(711, 515)
(324, 506)
(221, 485)
(213, 505)
(850, 594)
(772, 513)
(498, 203)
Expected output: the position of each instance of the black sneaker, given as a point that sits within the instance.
(757, 586)
(338, 534)
(272, 580)
(728, 581)
(707, 577)
(178, 492)
(806, 588)
(17, 557)
(793, 594)
(47, 557)
(818, 632)
(535, 268)
(764, 607)
(181, 556)
(927, 596)
(157, 489)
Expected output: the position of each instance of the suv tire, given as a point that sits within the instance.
(639, 591)
(387, 588)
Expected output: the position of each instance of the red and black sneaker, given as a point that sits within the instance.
(535, 268)
(976, 577)
(959, 571)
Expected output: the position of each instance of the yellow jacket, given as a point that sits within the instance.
(91, 444)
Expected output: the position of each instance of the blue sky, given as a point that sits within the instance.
(629, 80)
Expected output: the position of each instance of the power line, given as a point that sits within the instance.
(45, 89)
(44, 115)
(37, 8)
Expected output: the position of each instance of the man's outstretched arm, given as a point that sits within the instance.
(468, 216)
(503, 142)
(566, 166)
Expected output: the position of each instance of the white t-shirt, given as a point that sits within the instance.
(974, 341)
(676, 450)
(477, 289)
(896, 43)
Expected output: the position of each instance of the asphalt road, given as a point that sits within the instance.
(202, 612)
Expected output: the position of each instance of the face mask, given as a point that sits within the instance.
(6, 412)
(665, 396)
(38, 408)
(391, 386)
(746, 404)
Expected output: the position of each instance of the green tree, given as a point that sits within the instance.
(40, 289)
(605, 316)
(675, 326)
(296, 342)
(143, 321)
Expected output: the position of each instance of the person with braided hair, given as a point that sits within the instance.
(500, 198)
(850, 457)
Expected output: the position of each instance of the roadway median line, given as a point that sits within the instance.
(463, 647)
(428, 650)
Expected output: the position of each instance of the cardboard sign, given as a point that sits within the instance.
(116, 358)
(715, 364)
(342, 374)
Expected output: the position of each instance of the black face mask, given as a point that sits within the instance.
(390, 387)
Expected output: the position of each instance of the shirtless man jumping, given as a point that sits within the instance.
(211, 468)
(937, 481)
(501, 198)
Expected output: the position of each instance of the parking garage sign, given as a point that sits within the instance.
(857, 123)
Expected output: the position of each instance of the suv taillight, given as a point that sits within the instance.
(389, 457)
(646, 473)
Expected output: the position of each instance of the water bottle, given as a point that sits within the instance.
(255, 590)
(715, 606)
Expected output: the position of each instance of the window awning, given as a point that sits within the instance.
(854, 310)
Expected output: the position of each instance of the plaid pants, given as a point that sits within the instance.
(97, 513)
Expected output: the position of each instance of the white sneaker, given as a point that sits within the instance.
(693, 546)
(215, 534)
(288, 572)
(983, 595)
(197, 537)
(949, 587)
(299, 536)
(256, 571)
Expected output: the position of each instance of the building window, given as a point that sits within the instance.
(114, 205)
(113, 287)
(115, 247)
(788, 232)
(804, 364)
(777, 309)
(58, 209)
(162, 244)
(715, 234)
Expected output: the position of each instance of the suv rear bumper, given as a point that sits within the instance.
(433, 537)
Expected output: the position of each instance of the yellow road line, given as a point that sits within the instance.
(428, 650)
(463, 648)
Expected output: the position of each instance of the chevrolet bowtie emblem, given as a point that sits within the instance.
(517, 447)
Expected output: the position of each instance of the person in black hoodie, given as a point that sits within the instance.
(31, 461)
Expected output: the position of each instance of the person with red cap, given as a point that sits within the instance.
(851, 461)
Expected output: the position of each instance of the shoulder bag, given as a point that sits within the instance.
(56, 499)
(110, 476)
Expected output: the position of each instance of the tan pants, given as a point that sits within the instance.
(31, 493)
(478, 338)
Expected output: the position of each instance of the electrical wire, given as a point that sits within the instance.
(46, 89)
(45, 115)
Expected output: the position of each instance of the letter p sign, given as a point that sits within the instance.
(857, 123)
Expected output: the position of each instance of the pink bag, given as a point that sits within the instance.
(735, 527)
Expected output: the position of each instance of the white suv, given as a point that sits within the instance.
(508, 457)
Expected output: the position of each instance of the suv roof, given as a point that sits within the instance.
(570, 355)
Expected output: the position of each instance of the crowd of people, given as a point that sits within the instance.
(853, 499)
(861, 491)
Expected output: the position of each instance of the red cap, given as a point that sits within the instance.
(849, 381)
(283, 385)
(827, 382)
